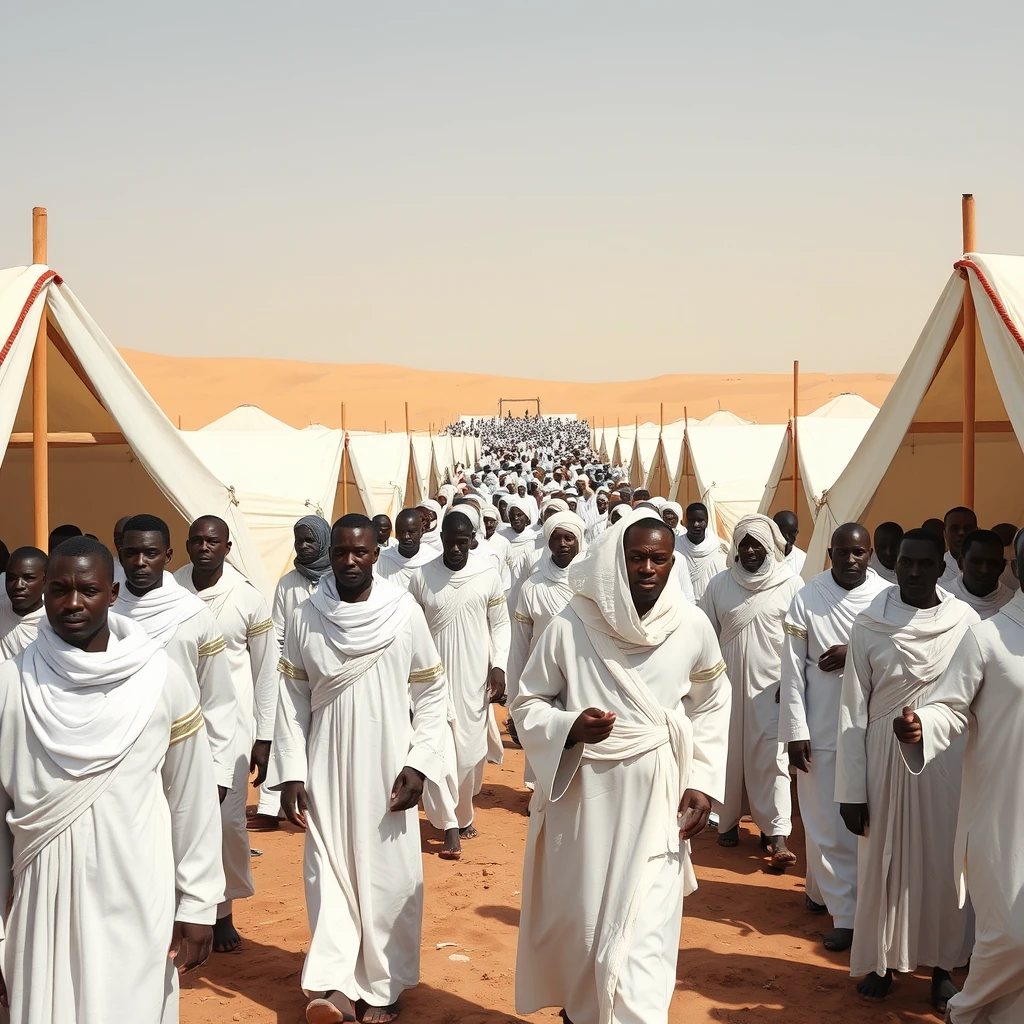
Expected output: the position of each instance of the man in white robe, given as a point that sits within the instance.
(109, 826)
(789, 527)
(907, 908)
(817, 629)
(1007, 533)
(956, 525)
(982, 690)
(747, 605)
(398, 563)
(22, 612)
(702, 553)
(182, 625)
(523, 537)
(431, 511)
(351, 765)
(312, 542)
(251, 654)
(384, 528)
(497, 540)
(623, 711)
(466, 610)
(979, 584)
(887, 548)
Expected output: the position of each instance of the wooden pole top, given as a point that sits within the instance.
(39, 234)
(969, 223)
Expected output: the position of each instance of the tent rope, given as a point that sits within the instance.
(991, 293)
(44, 280)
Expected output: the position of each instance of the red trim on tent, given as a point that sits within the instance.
(50, 275)
(991, 293)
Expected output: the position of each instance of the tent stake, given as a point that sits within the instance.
(796, 413)
(970, 362)
(40, 424)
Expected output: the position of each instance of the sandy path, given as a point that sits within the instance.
(749, 953)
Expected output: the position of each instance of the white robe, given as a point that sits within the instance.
(889, 575)
(986, 606)
(705, 561)
(605, 872)
(749, 625)
(292, 589)
(907, 913)
(88, 931)
(362, 863)
(795, 559)
(983, 690)
(22, 634)
(821, 616)
(950, 573)
(467, 614)
(251, 655)
(393, 565)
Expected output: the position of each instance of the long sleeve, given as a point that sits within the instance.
(277, 613)
(542, 723)
(9, 677)
(947, 714)
(851, 749)
(707, 605)
(521, 634)
(291, 724)
(217, 697)
(188, 780)
(498, 625)
(708, 705)
(793, 691)
(428, 691)
(264, 655)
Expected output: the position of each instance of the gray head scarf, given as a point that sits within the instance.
(321, 530)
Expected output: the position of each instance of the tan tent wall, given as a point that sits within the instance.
(783, 498)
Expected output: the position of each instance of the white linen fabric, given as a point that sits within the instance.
(987, 605)
(704, 560)
(394, 566)
(160, 611)
(889, 575)
(22, 634)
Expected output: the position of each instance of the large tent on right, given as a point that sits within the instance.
(951, 429)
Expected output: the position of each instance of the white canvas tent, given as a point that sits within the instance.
(108, 449)
(826, 441)
(661, 474)
(645, 445)
(922, 455)
(421, 461)
(622, 449)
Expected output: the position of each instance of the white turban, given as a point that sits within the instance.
(489, 512)
(773, 569)
(619, 510)
(566, 521)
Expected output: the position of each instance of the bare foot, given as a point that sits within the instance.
(452, 849)
(782, 856)
(874, 986)
(225, 937)
(812, 907)
(262, 823)
(468, 832)
(730, 838)
(943, 989)
(331, 1008)
(377, 1014)
(838, 940)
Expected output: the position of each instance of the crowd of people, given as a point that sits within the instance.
(658, 680)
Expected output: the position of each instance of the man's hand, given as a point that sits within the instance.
(295, 803)
(259, 760)
(407, 790)
(222, 792)
(694, 809)
(191, 945)
(907, 727)
(800, 754)
(834, 659)
(778, 690)
(511, 726)
(855, 818)
(496, 686)
(4, 1000)
(592, 726)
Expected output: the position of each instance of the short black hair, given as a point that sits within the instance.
(84, 547)
(148, 524)
(696, 506)
(211, 519)
(889, 529)
(382, 515)
(30, 553)
(450, 518)
(650, 523)
(354, 521)
(981, 537)
(62, 533)
(927, 535)
(959, 508)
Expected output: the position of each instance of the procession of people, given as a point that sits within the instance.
(659, 679)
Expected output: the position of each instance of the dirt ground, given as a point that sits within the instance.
(749, 953)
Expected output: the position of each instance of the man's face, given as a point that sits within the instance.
(696, 526)
(77, 596)
(503, 511)
(144, 557)
(207, 545)
(887, 548)
(789, 529)
(383, 525)
(602, 502)
(457, 540)
(957, 526)
(752, 554)
(409, 533)
(429, 517)
(670, 517)
(490, 527)
(353, 554)
(572, 503)
(564, 547)
(918, 568)
(25, 582)
(305, 545)
(649, 556)
(518, 519)
(850, 554)
(983, 564)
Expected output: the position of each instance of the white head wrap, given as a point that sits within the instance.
(619, 510)
(773, 569)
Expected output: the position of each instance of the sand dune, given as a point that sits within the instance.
(195, 391)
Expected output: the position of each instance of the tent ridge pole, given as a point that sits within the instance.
(40, 411)
(344, 464)
(796, 454)
(970, 362)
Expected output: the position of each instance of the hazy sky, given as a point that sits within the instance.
(577, 190)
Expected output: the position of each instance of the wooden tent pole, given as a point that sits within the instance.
(344, 464)
(970, 363)
(796, 454)
(407, 430)
(686, 445)
(40, 424)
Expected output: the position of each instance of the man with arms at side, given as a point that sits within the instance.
(701, 551)
(350, 761)
(956, 525)
(399, 562)
(789, 527)
(817, 629)
(108, 812)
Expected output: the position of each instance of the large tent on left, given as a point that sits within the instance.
(81, 439)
